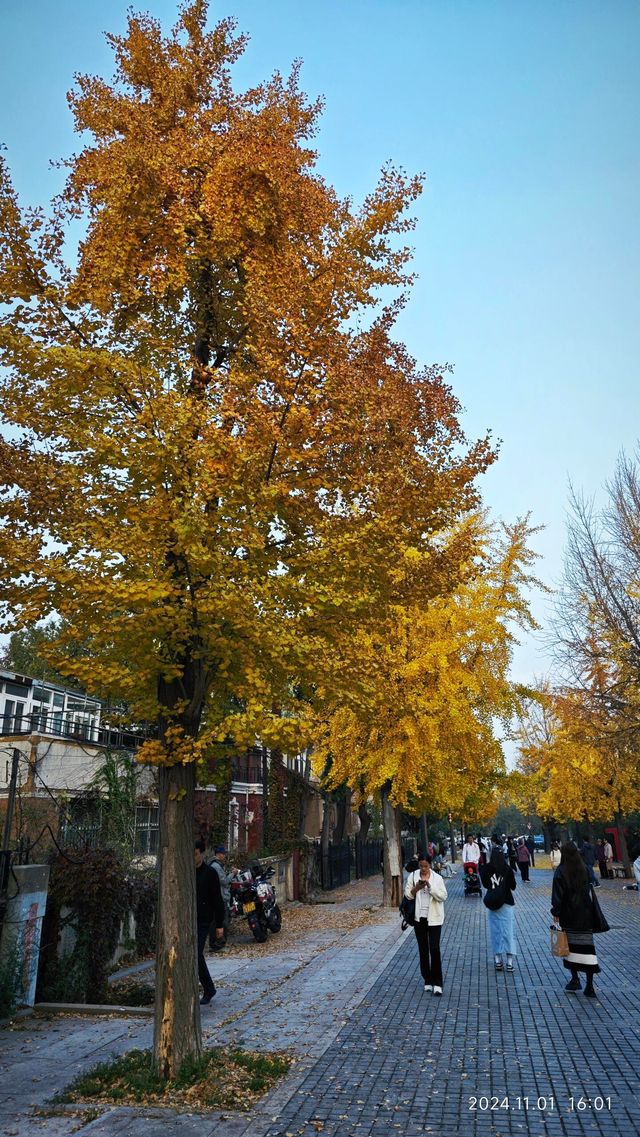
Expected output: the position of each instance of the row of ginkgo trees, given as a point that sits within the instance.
(580, 739)
(252, 519)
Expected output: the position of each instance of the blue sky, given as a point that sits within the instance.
(525, 116)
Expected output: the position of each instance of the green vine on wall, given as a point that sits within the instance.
(286, 790)
(98, 895)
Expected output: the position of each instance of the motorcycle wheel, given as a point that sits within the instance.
(275, 919)
(260, 931)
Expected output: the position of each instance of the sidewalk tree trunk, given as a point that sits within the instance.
(393, 879)
(622, 839)
(217, 455)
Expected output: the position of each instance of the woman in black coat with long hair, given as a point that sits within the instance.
(572, 908)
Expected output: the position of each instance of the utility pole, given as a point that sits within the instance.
(5, 852)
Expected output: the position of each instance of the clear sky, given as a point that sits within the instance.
(524, 114)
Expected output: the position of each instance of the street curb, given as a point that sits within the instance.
(92, 1009)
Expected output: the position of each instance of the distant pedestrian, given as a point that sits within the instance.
(572, 909)
(470, 853)
(524, 857)
(209, 907)
(608, 856)
(219, 865)
(429, 891)
(531, 846)
(512, 855)
(588, 854)
(601, 858)
(554, 855)
(500, 882)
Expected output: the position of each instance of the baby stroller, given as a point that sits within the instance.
(472, 885)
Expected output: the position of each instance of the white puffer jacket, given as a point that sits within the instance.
(437, 893)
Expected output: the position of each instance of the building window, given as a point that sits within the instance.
(147, 829)
(19, 689)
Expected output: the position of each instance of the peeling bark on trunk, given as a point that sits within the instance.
(392, 890)
(177, 1032)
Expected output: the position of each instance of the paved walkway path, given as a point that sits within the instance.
(377, 1055)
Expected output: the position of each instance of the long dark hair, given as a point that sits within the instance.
(498, 859)
(573, 866)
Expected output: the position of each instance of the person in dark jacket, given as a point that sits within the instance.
(524, 858)
(572, 910)
(531, 846)
(209, 907)
(499, 880)
(512, 855)
(589, 858)
(601, 858)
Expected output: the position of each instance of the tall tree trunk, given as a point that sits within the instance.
(622, 838)
(392, 889)
(177, 1032)
(266, 833)
(325, 836)
(365, 822)
(344, 807)
(361, 836)
(306, 798)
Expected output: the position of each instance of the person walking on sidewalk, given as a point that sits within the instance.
(429, 891)
(219, 865)
(523, 856)
(601, 858)
(554, 855)
(470, 854)
(608, 856)
(499, 880)
(589, 857)
(209, 907)
(572, 909)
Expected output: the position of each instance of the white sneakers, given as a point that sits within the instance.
(428, 987)
(437, 990)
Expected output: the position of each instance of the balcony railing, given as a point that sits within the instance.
(59, 725)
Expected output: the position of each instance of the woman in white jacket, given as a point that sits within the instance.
(428, 890)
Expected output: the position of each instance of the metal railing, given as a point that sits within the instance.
(59, 725)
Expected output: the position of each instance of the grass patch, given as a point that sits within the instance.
(221, 1079)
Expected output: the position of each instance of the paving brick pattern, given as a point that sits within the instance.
(377, 1055)
(411, 1063)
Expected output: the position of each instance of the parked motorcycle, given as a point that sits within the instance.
(253, 896)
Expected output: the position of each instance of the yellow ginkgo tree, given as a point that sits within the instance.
(417, 727)
(580, 758)
(209, 474)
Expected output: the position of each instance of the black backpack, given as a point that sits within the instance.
(407, 912)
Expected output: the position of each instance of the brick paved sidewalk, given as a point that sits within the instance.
(379, 1056)
(413, 1064)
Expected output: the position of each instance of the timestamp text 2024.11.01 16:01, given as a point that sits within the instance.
(543, 1104)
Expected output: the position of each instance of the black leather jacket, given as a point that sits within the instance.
(573, 908)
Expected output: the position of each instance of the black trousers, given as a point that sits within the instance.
(604, 872)
(208, 986)
(428, 937)
(524, 869)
